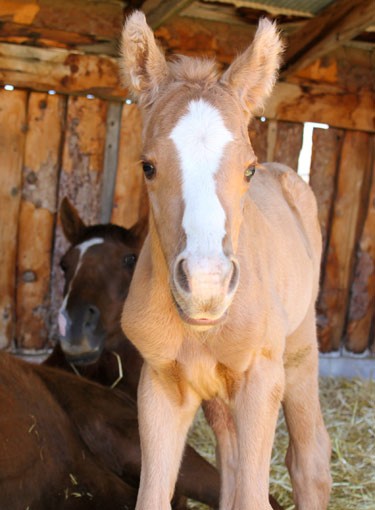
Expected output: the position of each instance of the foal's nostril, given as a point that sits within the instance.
(235, 276)
(181, 275)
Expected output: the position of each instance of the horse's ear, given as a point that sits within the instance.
(143, 65)
(71, 222)
(252, 75)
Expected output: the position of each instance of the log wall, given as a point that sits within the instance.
(88, 149)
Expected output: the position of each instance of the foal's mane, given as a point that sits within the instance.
(193, 70)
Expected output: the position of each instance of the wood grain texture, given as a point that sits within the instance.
(37, 218)
(81, 177)
(348, 212)
(59, 69)
(66, 22)
(361, 312)
(288, 143)
(339, 22)
(12, 138)
(258, 138)
(325, 155)
(129, 188)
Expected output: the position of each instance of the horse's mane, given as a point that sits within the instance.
(193, 70)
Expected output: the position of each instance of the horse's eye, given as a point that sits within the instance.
(249, 172)
(64, 265)
(148, 169)
(130, 260)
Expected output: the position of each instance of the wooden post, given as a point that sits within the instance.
(258, 137)
(362, 299)
(81, 177)
(348, 212)
(288, 143)
(325, 156)
(12, 138)
(129, 196)
(37, 218)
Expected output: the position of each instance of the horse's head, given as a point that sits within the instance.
(98, 268)
(198, 160)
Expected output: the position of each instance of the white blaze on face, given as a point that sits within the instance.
(83, 247)
(200, 137)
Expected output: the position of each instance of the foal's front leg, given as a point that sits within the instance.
(256, 407)
(165, 415)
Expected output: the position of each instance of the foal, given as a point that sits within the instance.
(221, 305)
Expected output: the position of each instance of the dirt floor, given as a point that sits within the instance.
(349, 411)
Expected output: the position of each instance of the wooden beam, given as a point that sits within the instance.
(339, 22)
(12, 138)
(37, 218)
(362, 298)
(68, 72)
(348, 211)
(160, 11)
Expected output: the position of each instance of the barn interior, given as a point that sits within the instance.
(68, 128)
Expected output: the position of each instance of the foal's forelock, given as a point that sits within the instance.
(200, 138)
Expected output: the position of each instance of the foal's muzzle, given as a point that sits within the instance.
(204, 288)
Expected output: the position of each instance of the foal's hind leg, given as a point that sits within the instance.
(309, 448)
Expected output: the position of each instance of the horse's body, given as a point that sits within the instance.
(61, 441)
(221, 305)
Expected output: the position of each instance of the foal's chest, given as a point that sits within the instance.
(207, 377)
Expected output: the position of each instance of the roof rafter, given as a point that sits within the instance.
(160, 11)
(341, 21)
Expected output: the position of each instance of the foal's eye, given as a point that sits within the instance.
(129, 261)
(148, 169)
(249, 172)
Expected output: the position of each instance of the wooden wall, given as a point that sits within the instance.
(88, 150)
(53, 146)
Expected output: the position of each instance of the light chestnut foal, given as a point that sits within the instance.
(221, 306)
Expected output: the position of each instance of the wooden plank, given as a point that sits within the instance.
(339, 22)
(74, 73)
(81, 177)
(362, 298)
(110, 160)
(326, 149)
(61, 70)
(37, 218)
(297, 103)
(12, 139)
(352, 185)
(258, 137)
(99, 18)
(288, 143)
(129, 189)
(160, 11)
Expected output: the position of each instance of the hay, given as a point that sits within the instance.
(349, 413)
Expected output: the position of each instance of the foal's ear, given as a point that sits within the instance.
(143, 65)
(252, 75)
(72, 224)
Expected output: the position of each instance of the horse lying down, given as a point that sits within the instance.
(98, 268)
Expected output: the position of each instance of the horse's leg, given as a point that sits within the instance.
(256, 405)
(165, 414)
(309, 449)
(221, 421)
